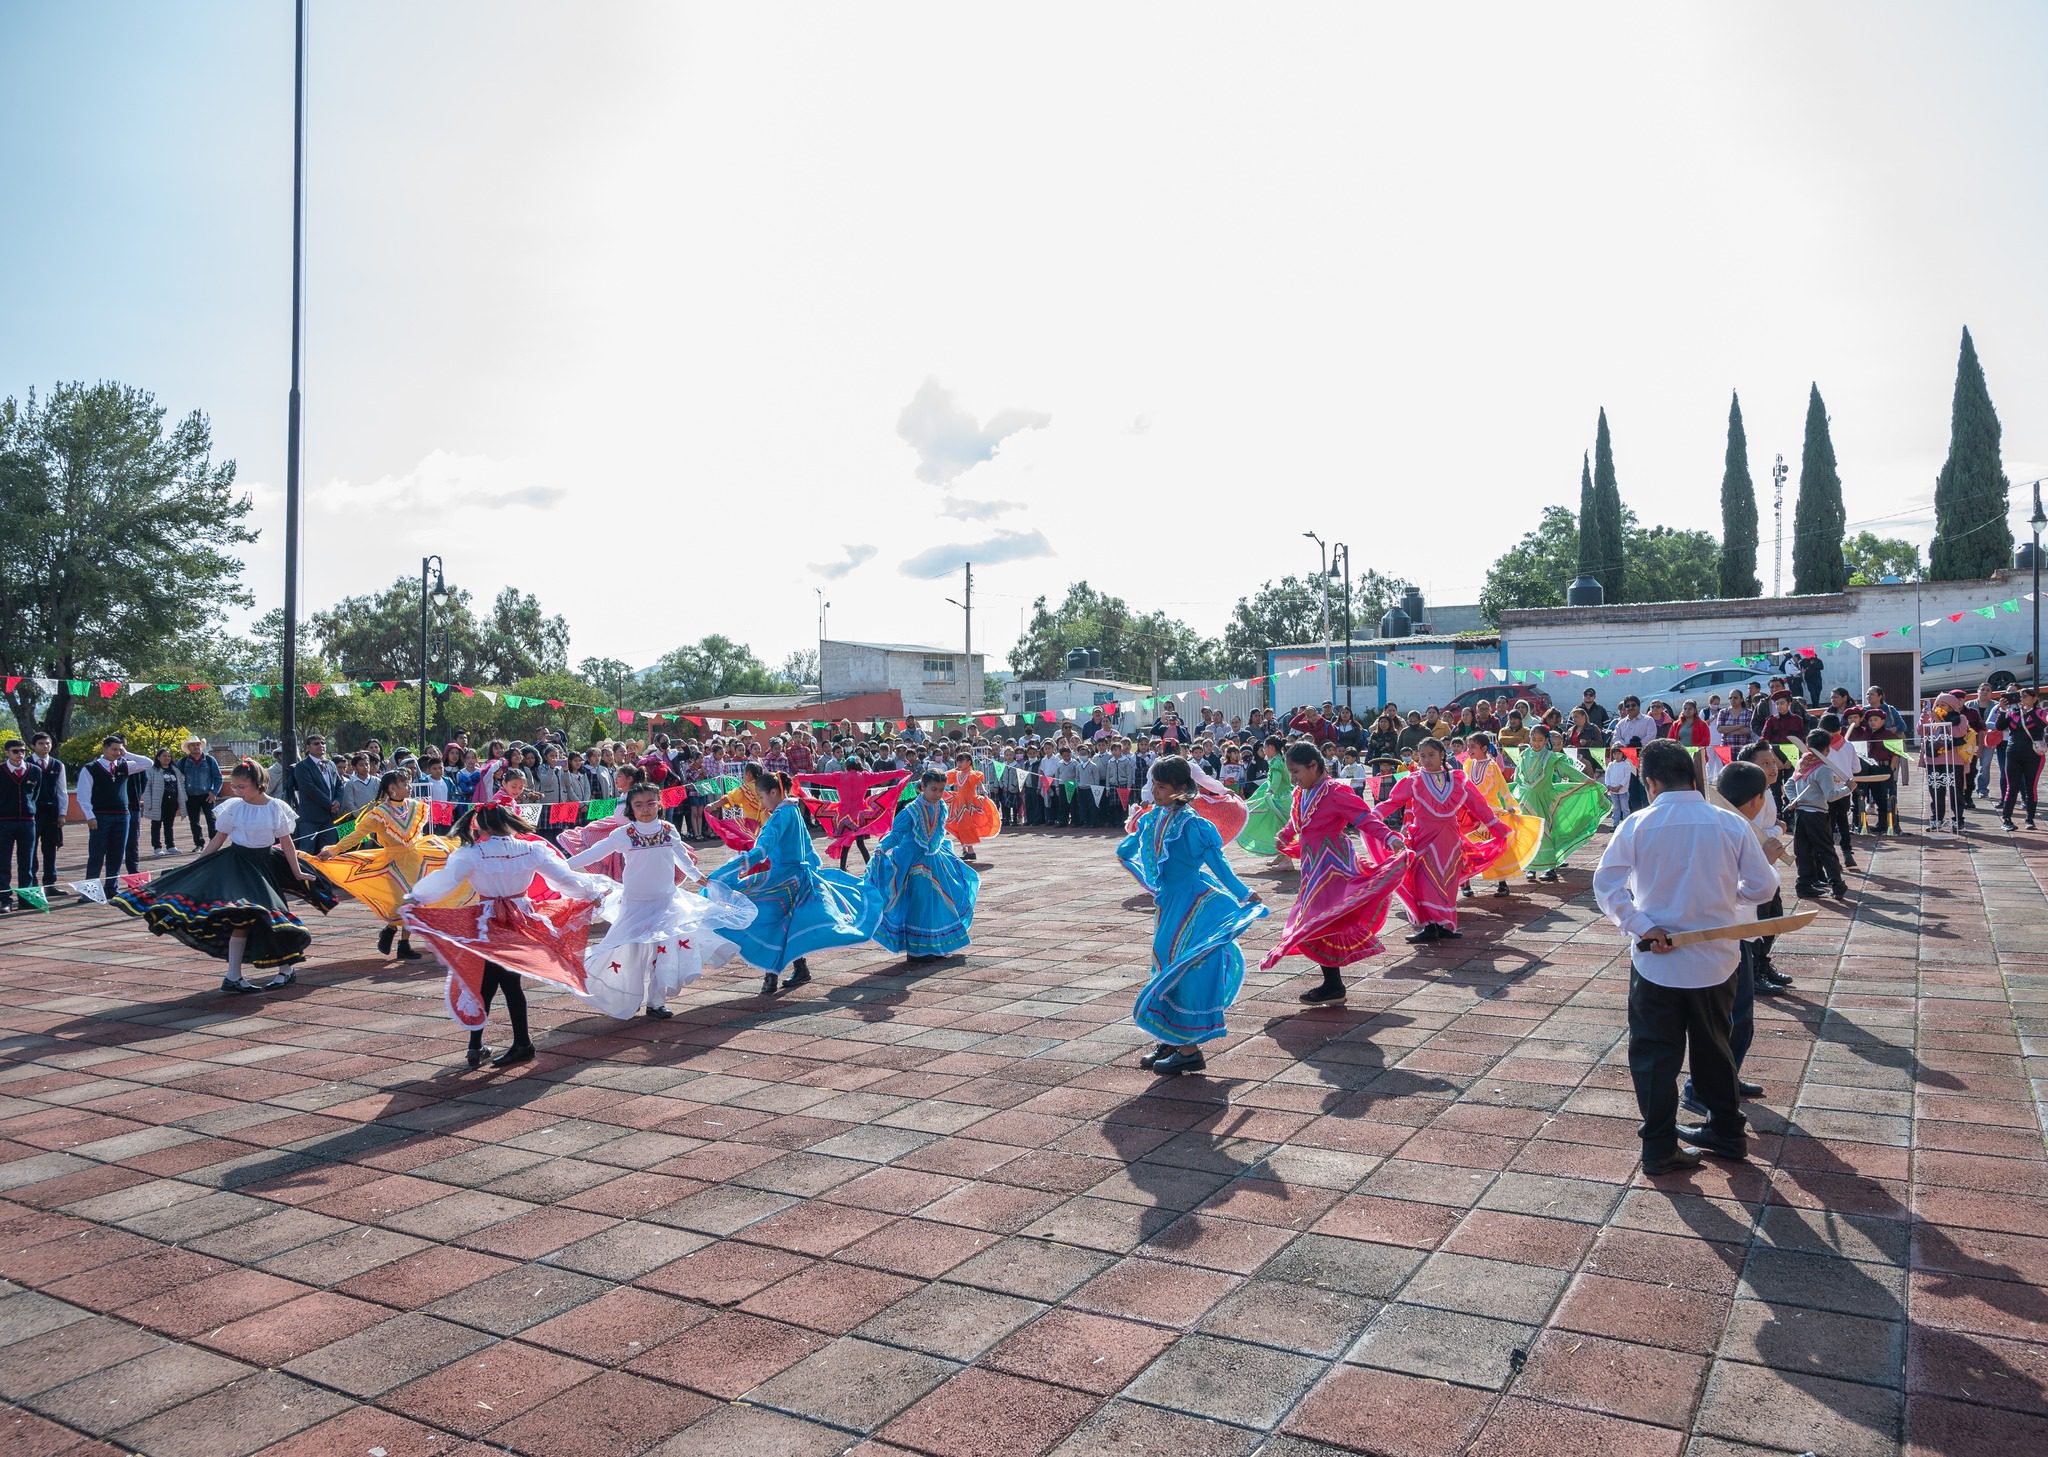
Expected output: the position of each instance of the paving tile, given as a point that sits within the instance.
(1631, 1310)
(215, 1301)
(1074, 1348)
(379, 1357)
(728, 1354)
(1644, 1383)
(524, 1295)
(1132, 1428)
(830, 1296)
(485, 1390)
(1390, 1414)
(1520, 1426)
(627, 1250)
(1936, 1427)
(1292, 1317)
(1228, 1381)
(1799, 1413)
(1448, 1345)
(754, 1432)
(1154, 1290)
(617, 1326)
(273, 1337)
(1356, 1266)
(1485, 1287)
(363, 1430)
(1795, 1339)
(614, 1414)
(991, 1414)
(134, 1391)
(854, 1384)
(1032, 1268)
(423, 1278)
(242, 1417)
(58, 1354)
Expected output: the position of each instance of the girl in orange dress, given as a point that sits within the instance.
(971, 815)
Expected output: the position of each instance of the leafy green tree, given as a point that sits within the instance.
(1667, 565)
(1872, 558)
(1535, 570)
(120, 539)
(800, 667)
(1818, 518)
(1291, 611)
(519, 640)
(611, 677)
(715, 667)
(1593, 553)
(1129, 642)
(378, 634)
(1613, 566)
(1738, 513)
(1972, 535)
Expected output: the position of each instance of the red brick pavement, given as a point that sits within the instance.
(940, 1211)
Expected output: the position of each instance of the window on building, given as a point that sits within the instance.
(938, 670)
(1751, 646)
(1034, 700)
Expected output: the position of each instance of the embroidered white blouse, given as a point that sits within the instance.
(501, 868)
(652, 855)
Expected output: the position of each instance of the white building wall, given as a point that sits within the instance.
(1064, 693)
(1631, 636)
(851, 667)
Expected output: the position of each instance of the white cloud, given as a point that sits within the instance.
(833, 571)
(443, 481)
(964, 508)
(1004, 546)
(947, 439)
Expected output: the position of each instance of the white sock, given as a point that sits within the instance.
(237, 943)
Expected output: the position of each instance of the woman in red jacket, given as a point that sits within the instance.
(1688, 728)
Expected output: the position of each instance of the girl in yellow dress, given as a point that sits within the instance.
(405, 850)
(1525, 831)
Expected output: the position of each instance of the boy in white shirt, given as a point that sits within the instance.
(1844, 760)
(1617, 779)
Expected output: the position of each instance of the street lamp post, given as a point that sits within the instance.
(288, 732)
(438, 594)
(2038, 521)
(822, 606)
(1323, 587)
(1340, 550)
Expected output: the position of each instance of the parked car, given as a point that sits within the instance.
(1960, 669)
(1700, 685)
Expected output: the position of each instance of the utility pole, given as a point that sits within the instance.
(822, 605)
(1778, 474)
(289, 730)
(965, 603)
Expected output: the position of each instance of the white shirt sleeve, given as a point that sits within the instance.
(1612, 889)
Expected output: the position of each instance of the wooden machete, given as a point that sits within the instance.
(1775, 926)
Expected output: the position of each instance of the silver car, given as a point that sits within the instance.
(1961, 668)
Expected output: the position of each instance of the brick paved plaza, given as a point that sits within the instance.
(944, 1213)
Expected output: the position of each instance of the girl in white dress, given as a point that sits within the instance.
(662, 934)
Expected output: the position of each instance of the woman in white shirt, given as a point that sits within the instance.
(662, 934)
(516, 927)
(231, 902)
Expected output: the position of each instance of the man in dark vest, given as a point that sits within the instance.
(103, 797)
(20, 786)
(53, 803)
(314, 788)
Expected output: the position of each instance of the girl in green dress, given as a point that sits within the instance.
(1269, 804)
(1570, 805)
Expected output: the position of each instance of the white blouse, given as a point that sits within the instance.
(501, 868)
(254, 826)
(652, 856)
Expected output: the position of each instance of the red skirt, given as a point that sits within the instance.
(545, 942)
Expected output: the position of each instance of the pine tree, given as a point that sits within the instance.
(1972, 536)
(1590, 552)
(1607, 497)
(1738, 513)
(1817, 517)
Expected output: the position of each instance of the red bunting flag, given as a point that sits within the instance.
(440, 812)
(389, 685)
(13, 683)
(1952, 617)
(554, 703)
(108, 689)
(312, 690)
(568, 812)
(625, 715)
(465, 692)
(673, 795)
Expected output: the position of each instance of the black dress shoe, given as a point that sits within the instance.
(477, 1056)
(1176, 1063)
(518, 1052)
(1552, 877)
(768, 983)
(1164, 1049)
(1690, 1101)
(1750, 1090)
(1707, 1141)
(1320, 995)
(799, 975)
(406, 953)
(660, 1014)
(1676, 1161)
(1424, 936)
(384, 939)
(1449, 933)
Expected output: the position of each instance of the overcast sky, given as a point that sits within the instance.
(672, 313)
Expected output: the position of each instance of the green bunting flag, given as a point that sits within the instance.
(1897, 746)
(32, 897)
(600, 808)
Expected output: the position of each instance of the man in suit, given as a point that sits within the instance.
(315, 791)
(53, 804)
(20, 786)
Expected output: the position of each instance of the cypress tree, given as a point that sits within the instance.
(1590, 555)
(1972, 535)
(1817, 517)
(1738, 513)
(1607, 496)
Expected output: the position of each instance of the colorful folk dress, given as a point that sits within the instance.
(1437, 811)
(801, 905)
(1570, 805)
(1342, 904)
(920, 893)
(661, 934)
(381, 874)
(1203, 908)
